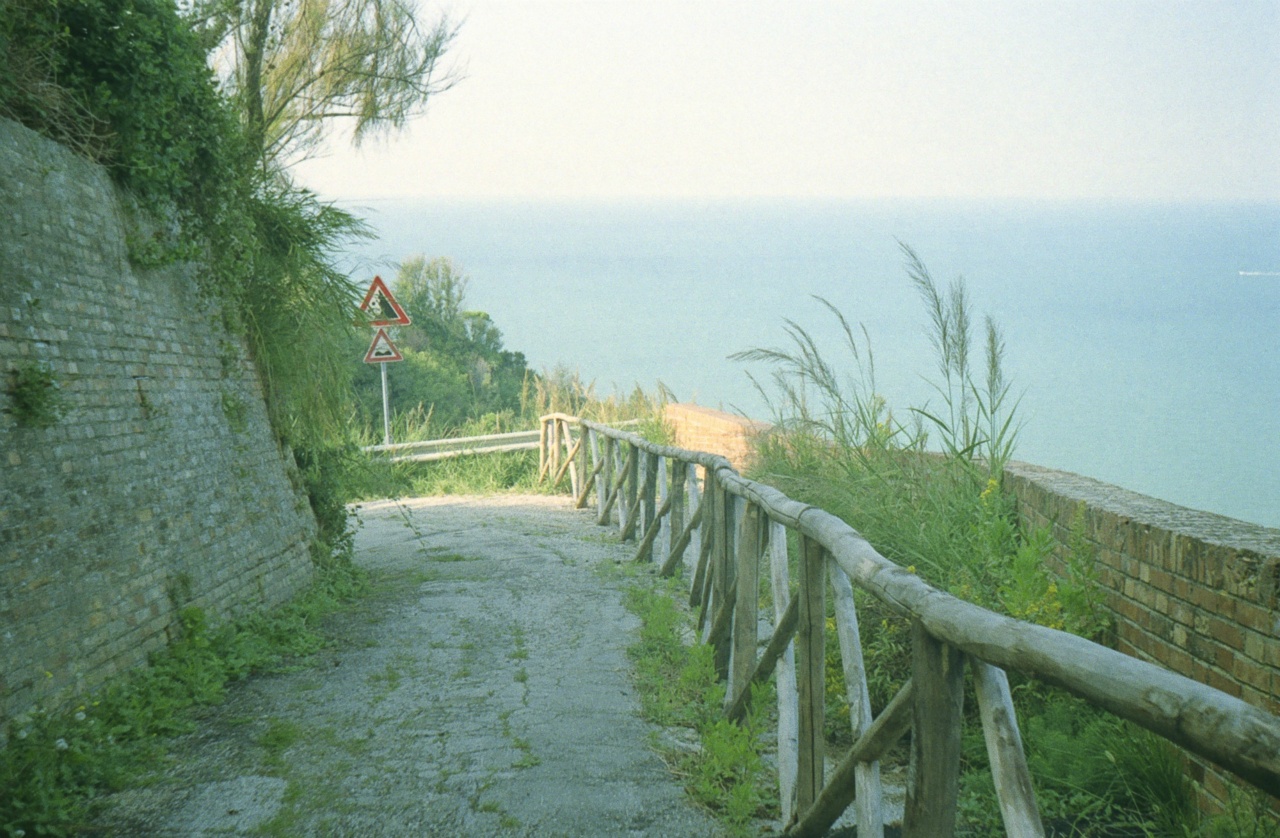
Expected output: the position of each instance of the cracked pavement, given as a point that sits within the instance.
(483, 690)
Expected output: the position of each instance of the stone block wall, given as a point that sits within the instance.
(162, 486)
(1192, 591)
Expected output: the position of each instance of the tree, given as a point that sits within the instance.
(295, 66)
(455, 364)
(434, 288)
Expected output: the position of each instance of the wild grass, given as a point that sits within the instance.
(726, 772)
(927, 493)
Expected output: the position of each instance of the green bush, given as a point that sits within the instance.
(677, 687)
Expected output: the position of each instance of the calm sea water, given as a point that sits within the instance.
(1143, 339)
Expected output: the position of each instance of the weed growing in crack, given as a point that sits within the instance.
(678, 687)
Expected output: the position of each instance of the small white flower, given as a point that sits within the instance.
(79, 717)
(22, 734)
(61, 745)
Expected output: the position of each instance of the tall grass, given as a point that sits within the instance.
(926, 491)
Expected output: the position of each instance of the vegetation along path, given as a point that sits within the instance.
(485, 693)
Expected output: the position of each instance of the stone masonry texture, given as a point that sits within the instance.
(1192, 591)
(1195, 592)
(162, 486)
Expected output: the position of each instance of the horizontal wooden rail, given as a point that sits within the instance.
(443, 449)
(739, 521)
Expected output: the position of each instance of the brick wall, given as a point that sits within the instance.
(1192, 591)
(714, 431)
(162, 486)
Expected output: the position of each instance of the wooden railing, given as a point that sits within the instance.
(730, 524)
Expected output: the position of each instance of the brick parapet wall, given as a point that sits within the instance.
(714, 431)
(1192, 591)
(162, 486)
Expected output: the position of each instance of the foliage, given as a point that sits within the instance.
(35, 395)
(678, 687)
(299, 312)
(376, 68)
(55, 762)
(455, 367)
(978, 420)
(126, 81)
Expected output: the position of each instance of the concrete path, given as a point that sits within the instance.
(485, 691)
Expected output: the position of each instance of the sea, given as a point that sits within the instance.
(1142, 339)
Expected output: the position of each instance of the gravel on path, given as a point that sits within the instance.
(485, 692)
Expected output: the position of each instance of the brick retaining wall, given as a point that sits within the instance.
(162, 486)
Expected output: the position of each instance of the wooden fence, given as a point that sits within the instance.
(676, 503)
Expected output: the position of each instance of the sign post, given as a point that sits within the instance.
(384, 311)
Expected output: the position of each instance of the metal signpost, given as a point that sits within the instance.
(384, 311)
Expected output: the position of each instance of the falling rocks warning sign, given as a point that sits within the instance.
(382, 308)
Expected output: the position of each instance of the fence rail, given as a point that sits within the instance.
(723, 531)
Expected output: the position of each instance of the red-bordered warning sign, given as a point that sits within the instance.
(382, 350)
(382, 307)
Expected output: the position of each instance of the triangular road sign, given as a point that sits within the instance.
(382, 350)
(382, 308)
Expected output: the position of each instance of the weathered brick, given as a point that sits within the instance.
(104, 510)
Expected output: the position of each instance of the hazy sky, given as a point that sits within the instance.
(1107, 98)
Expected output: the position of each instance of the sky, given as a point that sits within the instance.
(1095, 99)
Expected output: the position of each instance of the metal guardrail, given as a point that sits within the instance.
(443, 449)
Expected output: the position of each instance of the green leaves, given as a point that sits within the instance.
(35, 395)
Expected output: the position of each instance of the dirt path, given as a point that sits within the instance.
(484, 692)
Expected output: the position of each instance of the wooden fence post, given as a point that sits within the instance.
(628, 514)
(602, 517)
(542, 449)
(722, 560)
(788, 709)
(866, 775)
(663, 542)
(1004, 749)
(648, 492)
(580, 464)
(554, 465)
(679, 486)
(746, 608)
(810, 671)
(624, 474)
(699, 591)
(695, 503)
(937, 671)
